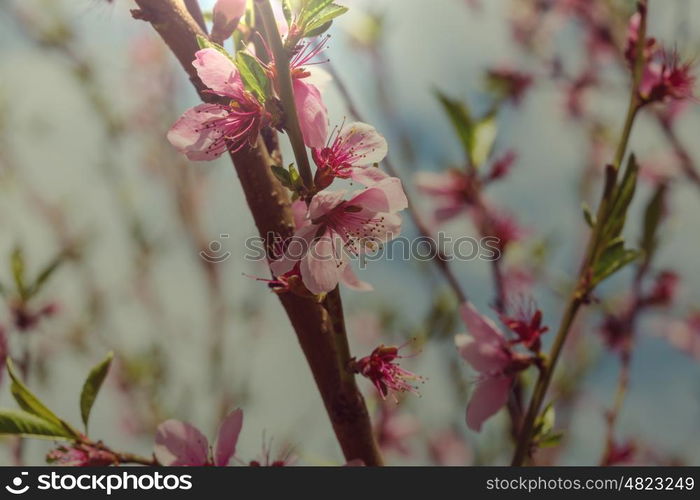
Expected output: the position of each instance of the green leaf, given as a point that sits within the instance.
(282, 175)
(30, 403)
(461, 120)
(652, 219)
(613, 258)
(550, 440)
(295, 178)
(21, 423)
(622, 197)
(288, 12)
(310, 9)
(253, 75)
(45, 274)
(92, 386)
(323, 20)
(483, 138)
(18, 270)
(588, 215)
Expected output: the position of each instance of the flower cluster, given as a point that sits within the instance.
(382, 369)
(333, 225)
(665, 76)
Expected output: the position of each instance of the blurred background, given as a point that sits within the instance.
(94, 197)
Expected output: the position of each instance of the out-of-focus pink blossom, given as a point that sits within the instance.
(684, 334)
(182, 444)
(382, 369)
(226, 15)
(489, 353)
(667, 78)
(206, 131)
(393, 429)
(510, 83)
(664, 290)
(620, 453)
(453, 190)
(349, 154)
(339, 227)
(448, 448)
(502, 166)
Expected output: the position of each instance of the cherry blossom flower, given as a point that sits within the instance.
(666, 78)
(454, 191)
(179, 443)
(226, 15)
(307, 82)
(684, 334)
(349, 153)
(338, 227)
(487, 350)
(206, 131)
(664, 290)
(523, 318)
(382, 369)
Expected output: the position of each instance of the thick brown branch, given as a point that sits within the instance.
(269, 204)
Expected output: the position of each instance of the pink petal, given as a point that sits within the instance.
(489, 396)
(179, 443)
(385, 196)
(484, 357)
(480, 327)
(321, 268)
(227, 438)
(435, 184)
(295, 251)
(350, 280)
(367, 176)
(364, 142)
(218, 72)
(299, 214)
(191, 137)
(324, 202)
(226, 15)
(313, 115)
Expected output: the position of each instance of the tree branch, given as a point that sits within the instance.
(269, 203)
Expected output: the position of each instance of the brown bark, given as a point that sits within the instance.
(319, 333)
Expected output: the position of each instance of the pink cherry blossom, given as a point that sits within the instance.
(448, 448)
(382, 369)
(667, 78)
(489, 353)
(453, 190)
(313, 114)
(338, 227)
(206, 131)
(226, 15)
(523, 318)
(182, 444)
(393, 429)
(349, 153)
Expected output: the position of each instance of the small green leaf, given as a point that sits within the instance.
(613, 258)
(483, 138)
(205, 43)
(652, 219)
(30, 403)
(282, 175)
(288, 12)
(295, 178)
(622, 197)
(92, 386)
(588, 215)
(18, 270)
(310, 9)
(323, 20)
(253, 75)
(550, 440)
(45, 274)
(21, 423)
(461, 120)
